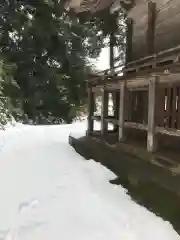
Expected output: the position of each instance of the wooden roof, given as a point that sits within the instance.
(167, 24)
(95, 5)
(139, 6)
(167, 13)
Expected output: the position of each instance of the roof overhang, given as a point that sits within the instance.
(94, 6)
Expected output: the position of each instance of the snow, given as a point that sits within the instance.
(48, 192)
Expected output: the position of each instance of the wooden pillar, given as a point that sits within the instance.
(151, 27)
(129, 36)
(113, 26)
(122, 110)
(111, 52)
(116, 109)
(111, 61)
(91, 103)
(151, 141)
(104, 112)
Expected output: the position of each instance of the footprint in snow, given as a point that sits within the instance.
(3, 234)
(30, 227)
(22, 231)
(25, 206)
(60, 186)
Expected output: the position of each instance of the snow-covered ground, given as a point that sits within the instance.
(49, 192)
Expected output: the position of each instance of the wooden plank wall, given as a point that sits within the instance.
(167, 34)
(138, 107)
(168, 107)
(167, 26)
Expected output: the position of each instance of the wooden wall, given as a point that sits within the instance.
(139, 46)
(137, 102)
(168, 107)
(167, 26)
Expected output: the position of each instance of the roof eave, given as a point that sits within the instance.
(80, 6)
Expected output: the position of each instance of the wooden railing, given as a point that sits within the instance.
(149, 101)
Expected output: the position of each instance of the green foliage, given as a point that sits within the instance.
(5, 115)
(5, 103)
(47, 47)
(45, 51)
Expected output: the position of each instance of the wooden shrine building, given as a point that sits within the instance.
(147, 114)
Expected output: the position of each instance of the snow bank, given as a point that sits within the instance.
(50, 192)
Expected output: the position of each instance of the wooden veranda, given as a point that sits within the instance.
(148, 98)
(148, 92)
(146, 112)
(142, 148)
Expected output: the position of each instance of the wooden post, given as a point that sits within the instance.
(111, 61)
(111, 52)
(151, 143)
(151, 27)
(122, 110)
(113, 26)
(116, 109)
(129, 36)
(104, 112)
(91, 102)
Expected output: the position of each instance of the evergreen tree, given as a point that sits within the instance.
(5, 102)
(48, 49)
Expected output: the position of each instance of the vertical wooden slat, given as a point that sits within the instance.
(117, 104)
(91, 103)
(178, 109)
(151, 141)
(111, 51)
(129, 36)
(145, 109)
(174, 113)
(168, 108)
(128, 107)
(131, 107)
(140, 107)
(127, 104)
(133, 100)
(113, 23)
(104, 112)
(116, 110)
(151, 27)
(122, 110)
(160, 107)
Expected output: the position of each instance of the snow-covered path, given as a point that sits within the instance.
(48, 192)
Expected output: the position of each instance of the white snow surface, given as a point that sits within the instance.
(49, 192)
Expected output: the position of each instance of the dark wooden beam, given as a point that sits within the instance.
(116, 109)
(96, 118)
(135, 125)
(122, 110)
(104, 112)
(138, 83)
(111, 120)
(151, 27)
(151, 141)
(129, 36)
(111, 52)
(169, 132)
(91, 103)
